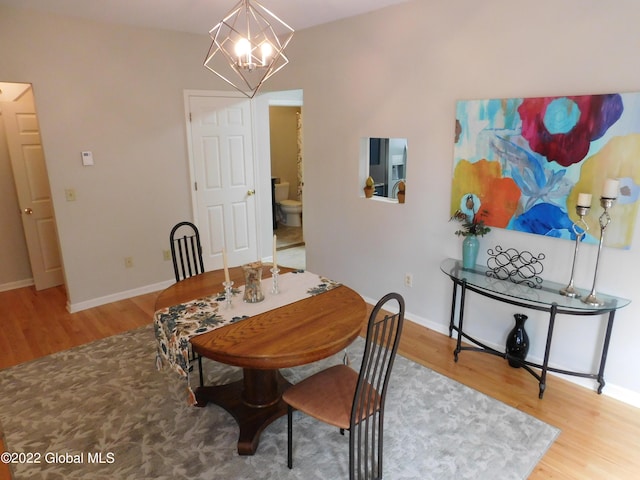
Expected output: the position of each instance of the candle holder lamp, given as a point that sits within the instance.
(580, 231)
(604, 221)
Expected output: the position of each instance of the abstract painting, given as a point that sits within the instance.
(525, 160)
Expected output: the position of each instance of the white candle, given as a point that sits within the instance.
(610, 189)
(584, 200)
(275, 263)
(226, 267)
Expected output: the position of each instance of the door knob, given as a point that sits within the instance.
(28, 211)
(251, 192)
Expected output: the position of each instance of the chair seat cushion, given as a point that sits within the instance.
(327, 395)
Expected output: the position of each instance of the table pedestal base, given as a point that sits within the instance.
(254, 402)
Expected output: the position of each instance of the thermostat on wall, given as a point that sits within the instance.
(87, 158)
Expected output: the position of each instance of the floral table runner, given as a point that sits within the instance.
(175, 325)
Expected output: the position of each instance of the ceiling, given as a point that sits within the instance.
(199, 16)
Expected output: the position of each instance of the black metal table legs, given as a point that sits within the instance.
(544, 368)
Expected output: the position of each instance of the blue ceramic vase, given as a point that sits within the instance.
(470, 246)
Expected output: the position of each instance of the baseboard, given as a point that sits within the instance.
(27, 282)
(96, 302)
(622, 394)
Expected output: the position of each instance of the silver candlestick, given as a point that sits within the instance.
(274, 277)
(228, 293)
(569, 290)
(604, 220)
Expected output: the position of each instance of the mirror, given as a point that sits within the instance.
(385, 160)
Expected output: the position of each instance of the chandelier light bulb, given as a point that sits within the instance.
(243, 51)
(267, 51)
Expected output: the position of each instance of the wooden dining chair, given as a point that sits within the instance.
(186, 253)
(351, 400)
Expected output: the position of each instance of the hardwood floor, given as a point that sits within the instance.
(599, 435)
(599, 438)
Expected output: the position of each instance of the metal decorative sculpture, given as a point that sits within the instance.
(518, 267)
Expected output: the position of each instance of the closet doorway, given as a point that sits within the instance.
(26, 154)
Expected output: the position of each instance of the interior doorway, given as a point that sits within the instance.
(285, 127)
(26, 157)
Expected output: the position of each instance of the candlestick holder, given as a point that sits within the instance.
(604, 221)
(274, 277)
(228, 293)
(569, 290)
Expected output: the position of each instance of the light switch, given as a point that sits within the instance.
(70, 194)
(87, 158)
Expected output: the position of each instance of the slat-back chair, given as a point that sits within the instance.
(352, 400)
(186, 253)
(186, 250)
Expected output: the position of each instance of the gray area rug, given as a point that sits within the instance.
(106, 402)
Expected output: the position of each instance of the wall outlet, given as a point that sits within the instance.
(166, 254)
(70, 194)
(128, 262)
(408, 279)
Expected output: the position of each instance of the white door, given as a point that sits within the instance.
(34, 195)
(221, 150)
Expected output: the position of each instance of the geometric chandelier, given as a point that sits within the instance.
(248, 46)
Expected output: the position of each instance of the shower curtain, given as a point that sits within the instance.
(299, 154)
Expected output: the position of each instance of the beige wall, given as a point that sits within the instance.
(398, 73)
(393, 73)
(117, 91)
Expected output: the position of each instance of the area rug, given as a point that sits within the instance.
(103, 411)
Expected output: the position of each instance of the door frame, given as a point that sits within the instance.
(262, 102)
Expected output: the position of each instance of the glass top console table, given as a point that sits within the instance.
(544, 297)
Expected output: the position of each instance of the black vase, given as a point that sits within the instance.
(518, 342)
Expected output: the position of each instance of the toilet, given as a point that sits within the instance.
(291, 209)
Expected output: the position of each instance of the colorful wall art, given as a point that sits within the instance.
(525, 160)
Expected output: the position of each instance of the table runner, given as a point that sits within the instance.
(175, 325)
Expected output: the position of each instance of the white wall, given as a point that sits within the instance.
(118, 91)
(398, 73)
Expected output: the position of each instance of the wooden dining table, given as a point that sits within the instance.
(295, 334)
